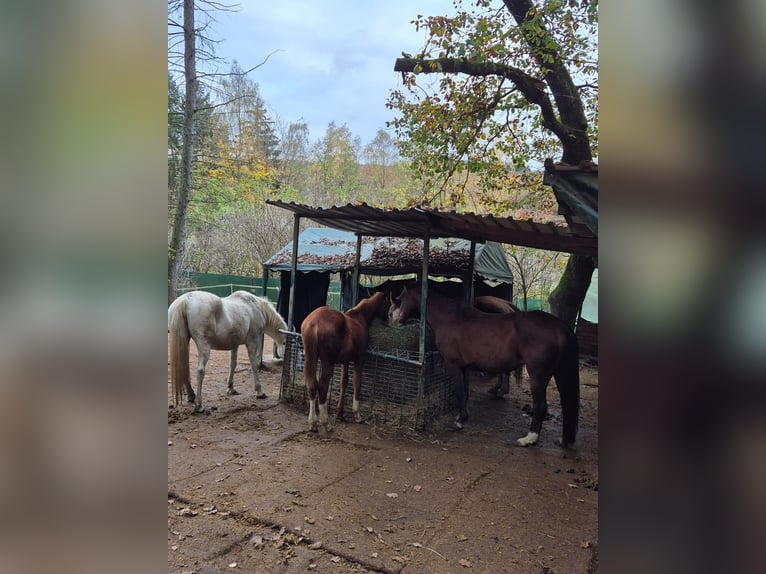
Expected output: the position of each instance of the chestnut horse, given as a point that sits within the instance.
(490, 304)
(335, 337)
(499, 343)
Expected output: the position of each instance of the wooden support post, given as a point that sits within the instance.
(293, 272)
(424, 296)
(468, 279)
(357, 259)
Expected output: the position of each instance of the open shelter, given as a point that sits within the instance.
(323, 251)
(408, 387)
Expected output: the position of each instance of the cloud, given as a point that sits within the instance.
(335, 61)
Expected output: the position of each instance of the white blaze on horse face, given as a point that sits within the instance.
(528, 440)
(394, 317)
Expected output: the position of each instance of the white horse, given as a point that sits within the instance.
(221, 324)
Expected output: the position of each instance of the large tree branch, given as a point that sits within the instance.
(572, 116)
(531, 88)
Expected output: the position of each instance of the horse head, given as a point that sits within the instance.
(279, 340)
(405, 306)
(393, 309)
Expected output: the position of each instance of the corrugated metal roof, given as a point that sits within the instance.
(327, 249)
(372, 221)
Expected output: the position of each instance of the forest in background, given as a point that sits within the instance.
(244, 156)
(471, 146)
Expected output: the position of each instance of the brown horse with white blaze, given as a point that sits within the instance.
(334, 337)
(499, 343)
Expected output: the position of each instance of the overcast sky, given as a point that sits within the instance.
(336, 57)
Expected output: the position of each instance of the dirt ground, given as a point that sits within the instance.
(251, 490)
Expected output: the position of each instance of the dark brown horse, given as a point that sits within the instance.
(498, 343)
(490, 304)
(335, 337)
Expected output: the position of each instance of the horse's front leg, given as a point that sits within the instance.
(254, 353)
(460, 387)
(502, 386)
(358, 366)
(204, 356)
(311, 387)
(538, 386)
(518, 373)
(342, 392)
(232, 366)
(325, 376)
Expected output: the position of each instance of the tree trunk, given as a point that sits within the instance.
(568, 296)
(566, 299)
(178, 237)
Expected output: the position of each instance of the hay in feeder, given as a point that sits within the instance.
(399, 339)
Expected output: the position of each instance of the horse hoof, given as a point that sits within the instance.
(458, 425)
(261, 396)
(560, 442)
(528, 440)
(232, 392)
(198, 409)
(357, 418)
(313, 428)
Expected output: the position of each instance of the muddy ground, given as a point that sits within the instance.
(251, 490)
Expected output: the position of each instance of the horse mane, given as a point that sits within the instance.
(366, 307)
(273, 319)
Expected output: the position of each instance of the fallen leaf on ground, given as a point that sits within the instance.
(417, 488)
(335, 559)
(465, 563)
(257, 539)
(392, 495)
(585, 544)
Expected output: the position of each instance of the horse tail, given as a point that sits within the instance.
(179, 349)
(567, 376)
